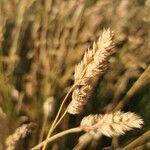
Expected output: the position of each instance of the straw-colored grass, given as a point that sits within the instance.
(41, 43)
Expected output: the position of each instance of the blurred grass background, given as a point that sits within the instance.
(42, 40)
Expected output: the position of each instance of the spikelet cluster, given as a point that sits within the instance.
(95, 62)
(19, 136)
(110, 125)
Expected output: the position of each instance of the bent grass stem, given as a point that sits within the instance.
(56, 136)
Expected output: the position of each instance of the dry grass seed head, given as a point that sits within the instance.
(113, 124)
(22, 133)
(95, 62)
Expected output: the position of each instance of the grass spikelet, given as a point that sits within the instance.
(110, 125)
(95, 62)
(20, 137)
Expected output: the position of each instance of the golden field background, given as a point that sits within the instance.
(41, 41)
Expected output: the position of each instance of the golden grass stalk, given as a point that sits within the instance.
(56, 121)
(113, 124)
(144, 138)
(56, 136)
(143, 80)
(95, 62)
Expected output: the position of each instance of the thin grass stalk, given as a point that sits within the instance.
(63, 115)
(63, 133)
(145, 146)
(56, 118)
(137, 142)
(142, 80)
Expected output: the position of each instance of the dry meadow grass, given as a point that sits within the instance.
(41, 43)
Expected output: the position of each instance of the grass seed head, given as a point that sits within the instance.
(113, 124)
(94, 63)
